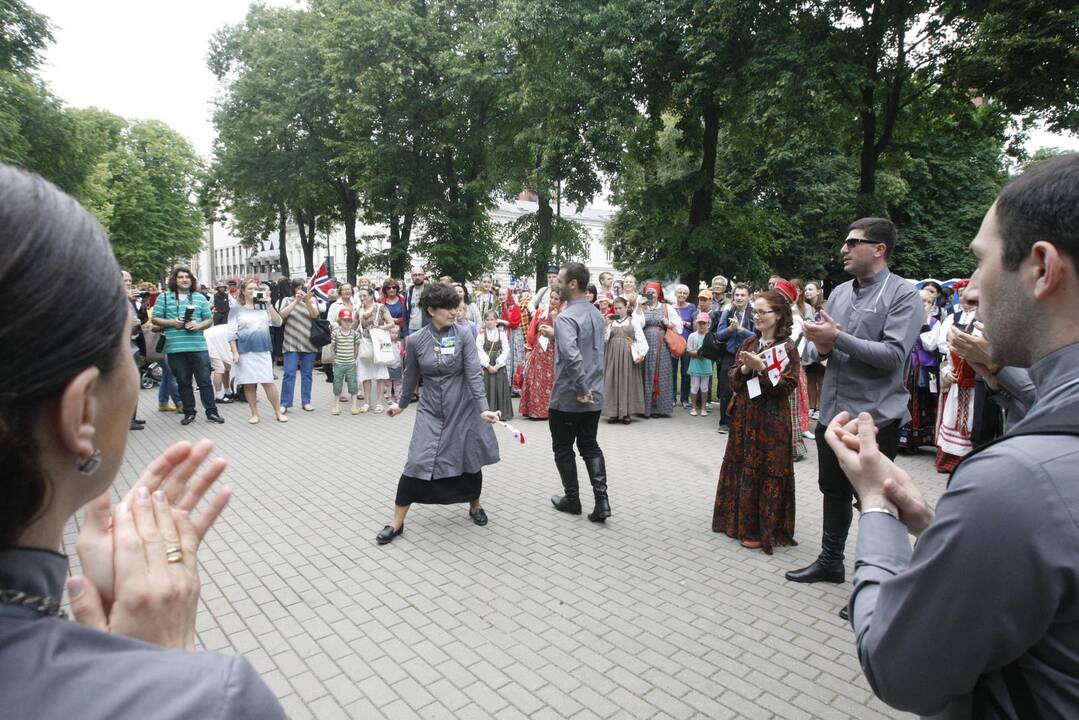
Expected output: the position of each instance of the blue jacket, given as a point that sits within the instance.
(734, 339)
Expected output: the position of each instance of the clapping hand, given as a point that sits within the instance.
(823, 333)
(878, 481)
(753, 361)
(129, 587)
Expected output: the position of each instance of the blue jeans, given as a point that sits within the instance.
(305, 361)
(168, 390)
(188, 365)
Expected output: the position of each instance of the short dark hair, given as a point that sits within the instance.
(1041, 204)
(879, 230)
(391, 282)
(577, 271)
(182, 269)
(439, 296)
(297, 283)
(741, 286)
(46, 233)
(781, 304)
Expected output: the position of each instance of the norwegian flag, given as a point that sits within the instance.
(775, 362)
(320, 283)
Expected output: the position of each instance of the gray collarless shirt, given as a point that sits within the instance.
(580, 341)
(52, 668)
(880, 320)
(993, 579)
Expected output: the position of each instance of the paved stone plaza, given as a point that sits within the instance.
(537, 615)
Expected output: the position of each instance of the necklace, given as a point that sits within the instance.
(46, 606)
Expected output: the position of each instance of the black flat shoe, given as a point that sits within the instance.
(224, 400)
(626, 420)
(188, 419)
(844, 614)
(388, 534)
(478, 516)
(215, 418)
(136, 426)
(136, 421)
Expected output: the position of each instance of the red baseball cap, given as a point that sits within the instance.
(345, 314)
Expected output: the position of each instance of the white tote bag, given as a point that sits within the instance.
(381, 346)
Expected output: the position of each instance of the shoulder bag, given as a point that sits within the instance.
(321, 334)
(676, 344)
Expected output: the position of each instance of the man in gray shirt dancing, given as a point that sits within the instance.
(866, 333)
(981, 619)
(577, 395)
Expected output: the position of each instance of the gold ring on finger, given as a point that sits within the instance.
(174, 554)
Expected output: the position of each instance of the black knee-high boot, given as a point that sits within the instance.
(597, 473)
(828, 567)
(571, 501)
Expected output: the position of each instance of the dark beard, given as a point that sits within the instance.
(1012, 332)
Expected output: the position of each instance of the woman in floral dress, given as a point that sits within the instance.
(755, 495)
(656, 316)
(539, 378)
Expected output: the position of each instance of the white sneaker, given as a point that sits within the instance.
(814, 414)
(808, 435)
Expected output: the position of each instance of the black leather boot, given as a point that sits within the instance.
(597, 473)
(571, 501)
(828, 567)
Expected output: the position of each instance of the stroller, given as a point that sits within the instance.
(150, 374)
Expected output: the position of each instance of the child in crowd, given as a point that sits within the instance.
(493, 346)
(700, 369)
(346, 347)
(393, 385)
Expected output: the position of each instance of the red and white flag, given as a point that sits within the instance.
(775, 362)
(320, 283)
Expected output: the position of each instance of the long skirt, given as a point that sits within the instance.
(799, 402)
(539, 381)
(921, 430)
(658, 377)
(498, 392)
(624, 394)
(518, 355)
(444, 491)
(954, 424)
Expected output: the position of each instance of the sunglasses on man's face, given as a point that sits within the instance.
(853, 242)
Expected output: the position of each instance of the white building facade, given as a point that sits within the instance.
(223, 257)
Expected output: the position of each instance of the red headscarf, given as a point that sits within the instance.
(511, 311)
(653, 285)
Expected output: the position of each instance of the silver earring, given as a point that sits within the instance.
(90, 465)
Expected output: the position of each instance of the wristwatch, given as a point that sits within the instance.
(880, 510)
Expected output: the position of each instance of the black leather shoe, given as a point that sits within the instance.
(188, 419)
(136, 426)
(215, 418)
(388, 534)
(478, 516)
(844, 614)
(566, 504)
(817, 572)
(136, 421)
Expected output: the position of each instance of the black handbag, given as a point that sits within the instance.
(321, 335)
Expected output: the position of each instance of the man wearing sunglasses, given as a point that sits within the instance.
(866, 333)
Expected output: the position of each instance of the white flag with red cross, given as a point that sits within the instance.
(775, 362)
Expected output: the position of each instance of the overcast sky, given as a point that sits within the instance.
(146, 59)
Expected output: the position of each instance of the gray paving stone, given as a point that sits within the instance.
(537, 615)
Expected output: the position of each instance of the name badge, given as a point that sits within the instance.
(446, 350)
(753, 386)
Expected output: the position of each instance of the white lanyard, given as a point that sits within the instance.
(876, 299)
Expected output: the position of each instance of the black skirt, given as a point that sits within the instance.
(443, 491)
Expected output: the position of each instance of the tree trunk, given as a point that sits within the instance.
(700, 205)
(399, 230)
(349, 204)
(307, 241)
(309, 256)
(282, 249)
(544, 242)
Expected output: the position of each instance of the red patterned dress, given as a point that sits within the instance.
(539, 375)
(755, 496)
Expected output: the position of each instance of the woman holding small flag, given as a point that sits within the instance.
(452, 438)
(755, 496)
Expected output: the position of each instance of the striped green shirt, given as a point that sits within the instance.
(344, 344)
(171, 307)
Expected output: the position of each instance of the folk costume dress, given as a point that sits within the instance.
(955, 423)
(510, 314)
(451, 443)
(539, 378)
(658, 374)
(755, 495)
(922, 382)
(494, 350)
(622, 375)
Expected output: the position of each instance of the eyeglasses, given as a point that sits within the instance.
(852, 242)
(758, 313)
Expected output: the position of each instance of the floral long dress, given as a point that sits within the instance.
(658, 376)
(539, 379)
(755, 495)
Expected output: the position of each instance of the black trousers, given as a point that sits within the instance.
(831, 479)
(569, 427)
(725, 392)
